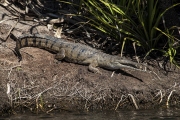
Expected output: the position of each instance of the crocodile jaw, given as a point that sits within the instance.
(115, 63)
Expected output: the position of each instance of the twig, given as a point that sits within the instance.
(1, 21)
(10, 69)
(9, 93)
(112, 74)
(167, 103)
(119, 102)
(8, 90)
(161, 95)
(173, 87)
(134, 102)
(155, 74)
(39, 94)
(81, 94)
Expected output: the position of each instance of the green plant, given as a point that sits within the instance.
(127, 17)
(137, 20)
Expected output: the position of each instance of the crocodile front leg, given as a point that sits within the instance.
(92, 67)
(60, 55)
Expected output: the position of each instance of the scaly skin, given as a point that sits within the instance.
(75, 53)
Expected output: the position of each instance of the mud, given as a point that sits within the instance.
(39, 82)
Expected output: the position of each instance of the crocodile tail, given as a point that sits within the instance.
(16, 50)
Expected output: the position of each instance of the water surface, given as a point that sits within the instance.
(158, 114)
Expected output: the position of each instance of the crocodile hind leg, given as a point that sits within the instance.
(60, 55)
(92, 67)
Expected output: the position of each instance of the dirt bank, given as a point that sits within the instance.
(40, 82)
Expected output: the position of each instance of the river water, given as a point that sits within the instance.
(157, 114)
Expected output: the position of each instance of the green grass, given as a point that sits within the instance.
(138, 21)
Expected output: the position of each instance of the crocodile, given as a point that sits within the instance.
(74, 53)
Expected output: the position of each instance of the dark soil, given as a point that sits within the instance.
(40, 83)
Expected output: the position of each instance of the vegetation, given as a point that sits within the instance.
(139, 21)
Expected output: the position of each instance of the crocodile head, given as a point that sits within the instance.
(126, 62)
(119, 62)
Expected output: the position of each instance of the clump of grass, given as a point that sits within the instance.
(134, 20)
